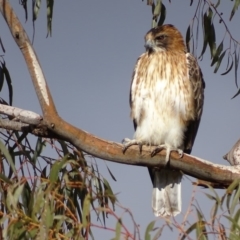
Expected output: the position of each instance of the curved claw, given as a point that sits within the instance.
(168, 149)
(156, 150)
(180, 152)
(128, 143)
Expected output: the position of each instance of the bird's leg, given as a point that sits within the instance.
(129, 142)
(168, 149)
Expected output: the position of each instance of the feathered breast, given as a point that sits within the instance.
(162, 79)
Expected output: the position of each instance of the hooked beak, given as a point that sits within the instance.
(149, 45)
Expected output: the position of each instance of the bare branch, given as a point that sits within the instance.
(24, 116)
(12, 125)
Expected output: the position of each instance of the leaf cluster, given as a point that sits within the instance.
(36, 6)
(51, 198)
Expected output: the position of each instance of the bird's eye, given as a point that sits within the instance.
(161, 37)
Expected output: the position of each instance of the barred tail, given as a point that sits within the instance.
(166, 195)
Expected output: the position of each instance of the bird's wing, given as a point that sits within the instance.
(133, 90)
(198, 85)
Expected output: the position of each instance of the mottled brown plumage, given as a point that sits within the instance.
(166, 100)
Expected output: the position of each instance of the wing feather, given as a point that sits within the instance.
(133, 91)
(198, 85)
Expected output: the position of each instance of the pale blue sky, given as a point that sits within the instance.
(88, 63)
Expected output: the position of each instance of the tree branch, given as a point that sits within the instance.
(24, 116)
(34, 68)
(93, 145)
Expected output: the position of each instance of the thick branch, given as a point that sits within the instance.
(34, 68)
(111, 151)
(100, 148)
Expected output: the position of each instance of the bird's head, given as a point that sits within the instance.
(164, 38)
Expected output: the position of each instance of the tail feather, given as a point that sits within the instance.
(166, 195)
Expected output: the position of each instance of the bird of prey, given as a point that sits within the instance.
(166, 99)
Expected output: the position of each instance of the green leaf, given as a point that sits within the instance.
(38, 149)
(18, 192)
(188, 38)
(199, 214)
(64, 147)
(214, 212)
(210, 196)
(57, 166)
(19, 140)
(235, 7)
(212, 40)
(39, 201)
(86, 210)
(230, 68)
(118, 229)
(111, 174)
(26, 198)
(218, 52)
(16, 230)
(228, 202)
(238, 92)
(1, 78)
(24, 4)
(157, 9)
(158, 233)
(49, 16)
(189, 230)
(9, 82)
(201, 231)
(219, 61)
(235, 226)
(233, 186)
(5, 179)
(217, 4)
(206, 27)
(108, 192)
(236, 61)
(13, 193)
(32, 233)
(48, 214)
(216, 198)
(148, 230)
(209, 33)
(235, 200)
(162, 15)
(36, 9)
(8, 157)
(1, 44)
(153, 7)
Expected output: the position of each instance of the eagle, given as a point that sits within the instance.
(166, 100)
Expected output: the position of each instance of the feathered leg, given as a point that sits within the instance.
(166, 195)
(129, 142)
(168, 149)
